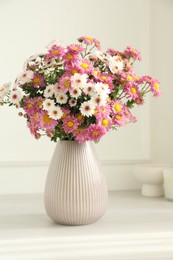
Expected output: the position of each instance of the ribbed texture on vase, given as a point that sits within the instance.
(76, 189)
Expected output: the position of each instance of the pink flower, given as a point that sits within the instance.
(129, 115)
(89, 41)
(81, 135)
(75, 48)
(132, 91)
(95, 132)
(131, 52)
(46, 122)
(85, 66)
(65, 83)
(155, 88)
(33, 105)
(119, 119)
(38, 80)
(70, 124)
(117, 106)
(55, 52)
(105, 123)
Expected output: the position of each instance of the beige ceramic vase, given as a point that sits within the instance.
(76, 188)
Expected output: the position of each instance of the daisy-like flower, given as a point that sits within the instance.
(66, 112)
(80, 118)
(78, 80)
(96, 73)
(38, 80)
(55, 113)
(106, 123)
(101, 56)
(88, 89)
(55, 52)
(56, 89)
(75, 92)
(155, 88)
(87, 108)
(48, 104)
(46, 122)
(81, 135)
(62, 98)
(49, 91)
(98, 100)
(65, 84)
(85, 66)
(119, 119)
(132, 91)
(15, 96)
(70, 124)
(72, 102)
(4, 90)
(89, 41)
(24, 77)
(75, 48)
(116, 64)
(131, 52)
(95, 132)
(102, 89)
(72, 68)
(117, 106)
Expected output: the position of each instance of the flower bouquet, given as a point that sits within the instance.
(78, 92)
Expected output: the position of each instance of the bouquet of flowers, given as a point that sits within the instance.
(78, 92)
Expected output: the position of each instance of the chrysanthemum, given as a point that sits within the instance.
(102, 89)
(81, 135)
(132, 91)
(55, 52)
(72, 68)
(85, 66)
(15, 96)
(155, 88)
(87, 108)
(55, 113)
(56, 89)
(49, 91)
(25, 77)
(78, 80)
(72, 102)
(38, 80)
(75, 48)
(70, 124)
(48, 104)
(46, 122)
(105, 122)
(80, 118)
(65, 84)
(66, 112)
(95, 132)
(62, 98)
(89, 89)
(89, 41)
(75, 92)
(117, 106)
(116, 64)
(131, 52)
(101, 56)
(4, 89)
(119, 119)
(98, 100)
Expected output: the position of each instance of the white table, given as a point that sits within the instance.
(133, 228)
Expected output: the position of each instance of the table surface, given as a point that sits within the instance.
(134, 227)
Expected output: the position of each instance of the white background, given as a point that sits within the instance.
(27, 26)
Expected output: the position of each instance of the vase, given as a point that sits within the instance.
(76, 189)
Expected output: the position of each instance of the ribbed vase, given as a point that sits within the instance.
(76, 189)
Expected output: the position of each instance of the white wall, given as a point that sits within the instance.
(162, 68)
(27, 26)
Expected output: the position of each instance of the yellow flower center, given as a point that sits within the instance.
(96, 72)
(69, 57)
(35, 117)
(133, 90)
(156, 86)
(108, 99)
(79, 117)
(118, 117)
(67, 83)
(70, 124)
(89, 38)
(95, 133)
(36, 80)
(55, 52)
(84, 65)
(40, 103)
(47, 119)
(29, 105)
(103, 77)
(105, 122)
(64, 116)
(117, 107)
(129, 77)
(95, 111)
(74, 71)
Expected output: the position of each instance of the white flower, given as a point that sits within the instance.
(72, 102)
(24, 77)
(4, 89)
(116, 64)
(48, 104)
(78, 80)
(15, 96)
(75, 92)
(55, 113)
(88, 89)
(49, 91)
(62, 98)
(102, 89)
(56, 89)
(98, 100)
(87, 108)
(100, 55)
